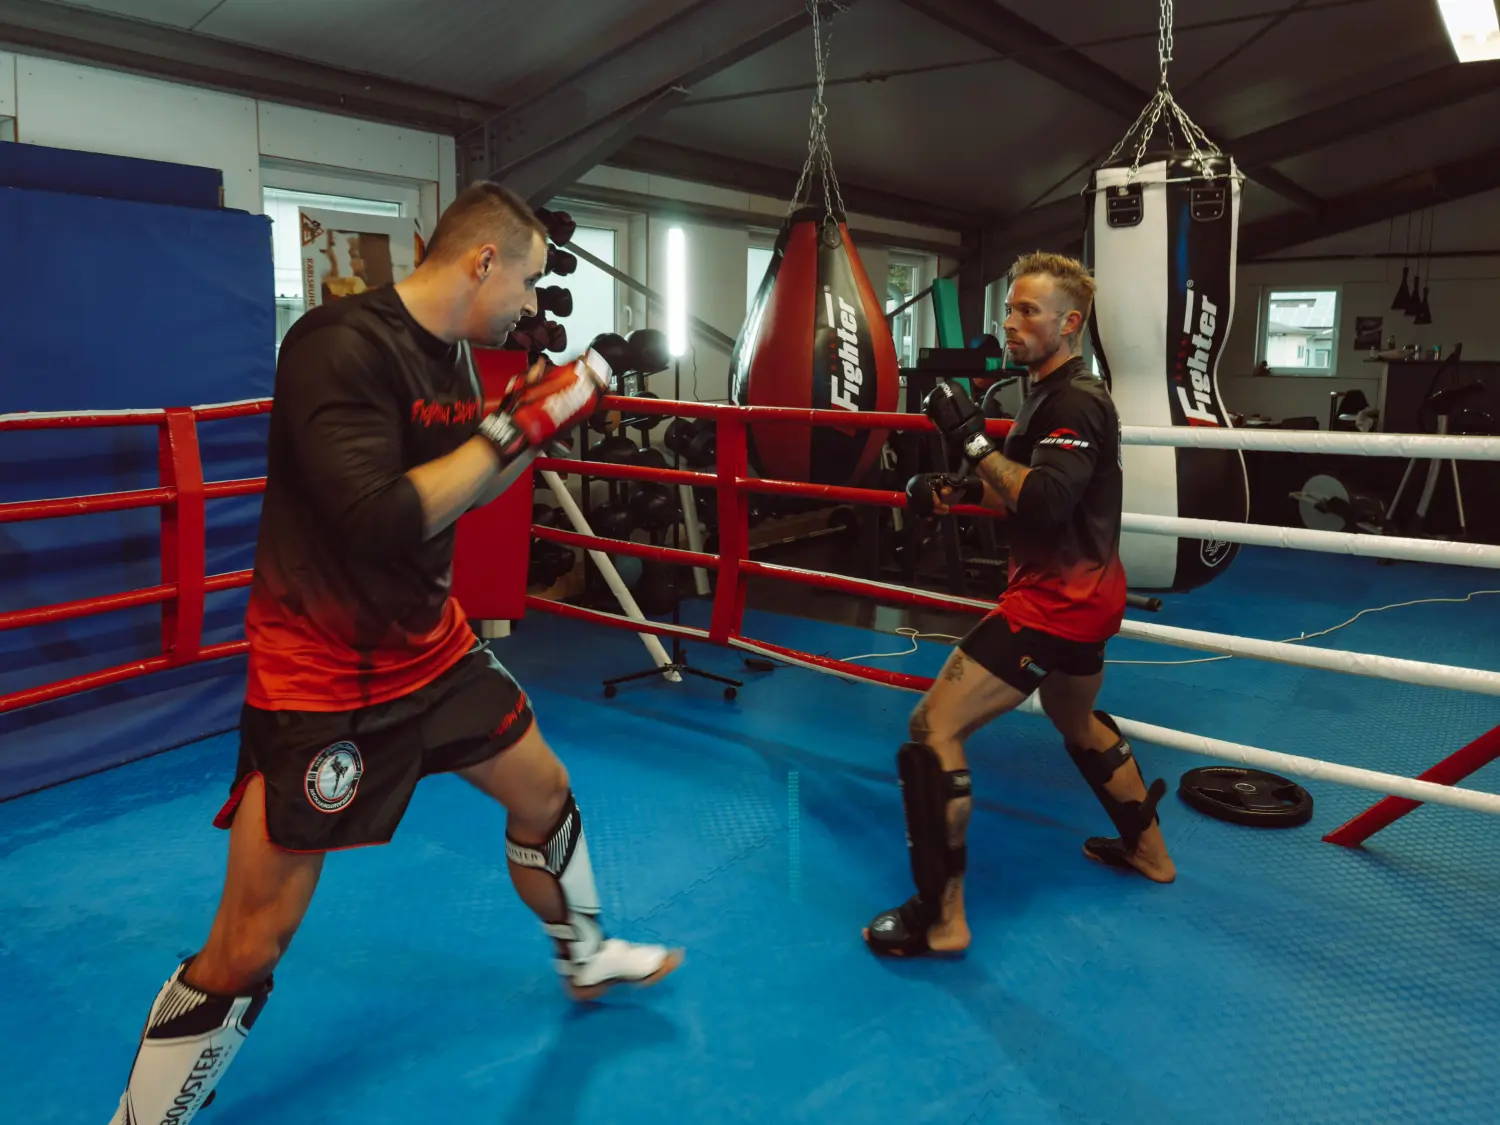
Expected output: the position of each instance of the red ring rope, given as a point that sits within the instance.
(183, 494)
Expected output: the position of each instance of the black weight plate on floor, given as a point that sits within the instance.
(1246, 796)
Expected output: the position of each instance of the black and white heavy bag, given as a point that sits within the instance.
(1163, 247)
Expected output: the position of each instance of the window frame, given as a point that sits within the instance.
(1263, 325)
(587, 214)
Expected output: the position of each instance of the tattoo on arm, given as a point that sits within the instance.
(1005, 476)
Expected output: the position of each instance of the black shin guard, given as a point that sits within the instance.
(1131, 818)
(926, 791)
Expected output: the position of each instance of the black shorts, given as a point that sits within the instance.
(1024, 657)
(343, 779)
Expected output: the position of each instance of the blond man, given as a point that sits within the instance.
(1058, 479)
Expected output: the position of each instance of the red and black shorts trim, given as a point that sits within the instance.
(1024, 657)
(344, 779)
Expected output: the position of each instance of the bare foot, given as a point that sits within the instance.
(944, 937)
(1150, 857)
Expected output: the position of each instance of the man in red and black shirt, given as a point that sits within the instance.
(364, 675)
(1059, 480)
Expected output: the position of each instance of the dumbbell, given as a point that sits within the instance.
(656, 592)
(652, 505)
(649, 458)
(615, 450)
(649, 351)
(548, 562)
(613, 520)
(696, 442)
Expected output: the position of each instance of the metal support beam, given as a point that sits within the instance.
(1457, 180)
(1004, 32)
(703, 330)
(687, 48)
(81, 35)
(971, 285)
(539, 179)
(1430, 89)
(659, 158)
(659, 207)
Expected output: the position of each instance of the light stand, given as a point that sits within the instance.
(1443, 403)
(679, 662)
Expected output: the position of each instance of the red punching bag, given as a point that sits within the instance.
(815, 337)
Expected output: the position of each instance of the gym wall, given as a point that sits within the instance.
(717, 283)
(69, 105)
(1465, 294)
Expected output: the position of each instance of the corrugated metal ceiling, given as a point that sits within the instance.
(969, 131)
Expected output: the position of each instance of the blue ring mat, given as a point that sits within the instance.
(1279, 979)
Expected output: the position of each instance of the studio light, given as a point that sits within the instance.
(1474, 28)
(676, 291)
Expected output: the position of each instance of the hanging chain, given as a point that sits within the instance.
(1177, 120)
(1164, 39)
(818, 152)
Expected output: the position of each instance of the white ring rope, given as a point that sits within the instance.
(1353, 663)
(1427, 792)
(1425, 446)
(1306, 539)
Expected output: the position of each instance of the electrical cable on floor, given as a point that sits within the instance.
(913, 635)
(1323, 632)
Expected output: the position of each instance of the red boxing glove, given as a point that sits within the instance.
(535, 413)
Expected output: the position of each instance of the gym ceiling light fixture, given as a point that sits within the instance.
(1474, 28)
(676, 291)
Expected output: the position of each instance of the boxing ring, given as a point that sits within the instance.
(183, 494)
(762, 834)
(733, 483)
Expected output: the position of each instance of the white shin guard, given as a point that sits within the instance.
(191, 1037)
(565, 856)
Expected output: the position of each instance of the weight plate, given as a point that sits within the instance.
(1245, 796)
(1322, 488)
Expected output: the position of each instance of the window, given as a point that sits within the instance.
(756, 264)
(281, 206)
(1300, 336)
(901, 287)
(595, 306)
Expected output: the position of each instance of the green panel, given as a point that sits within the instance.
(950, 329)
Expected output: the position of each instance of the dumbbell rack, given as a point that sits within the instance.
(678, 662)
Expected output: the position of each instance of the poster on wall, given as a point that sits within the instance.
(344, 253)
(1367, 332)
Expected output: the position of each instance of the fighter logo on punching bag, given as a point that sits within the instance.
(1162, 240)
(815, 338)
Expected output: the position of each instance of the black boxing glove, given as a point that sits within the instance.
(959, 420)
(925, 489)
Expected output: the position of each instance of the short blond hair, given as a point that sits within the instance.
(1070, 275)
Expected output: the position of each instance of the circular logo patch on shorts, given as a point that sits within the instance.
(333, 777)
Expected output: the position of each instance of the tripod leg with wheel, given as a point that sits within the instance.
(678, 666)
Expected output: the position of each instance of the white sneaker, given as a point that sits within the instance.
(617, 962)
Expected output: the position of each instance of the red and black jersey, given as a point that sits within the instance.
(1066, 577)
(349, 604)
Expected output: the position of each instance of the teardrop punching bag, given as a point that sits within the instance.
(815, 337)
(1163, 245)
